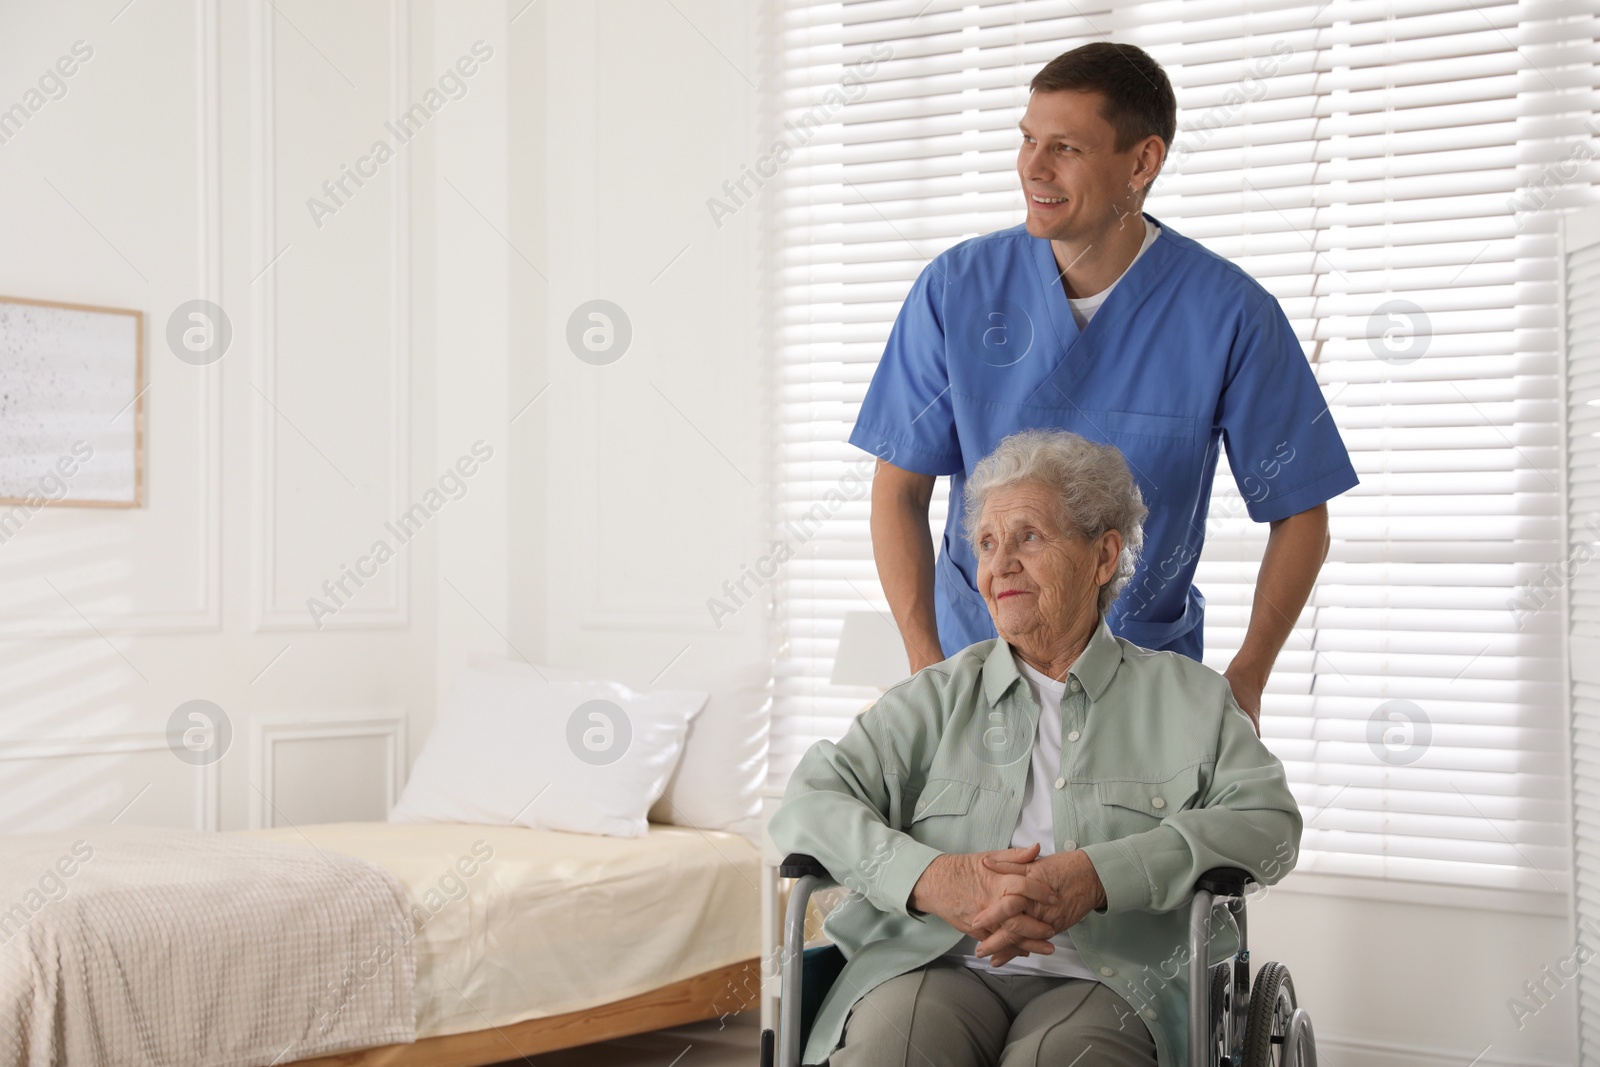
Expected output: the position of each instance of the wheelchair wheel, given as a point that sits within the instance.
(1229, 1002)
(1220, 1010)
(1272, 1005)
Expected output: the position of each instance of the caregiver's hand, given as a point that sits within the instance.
(1072, 885)
(957, 886)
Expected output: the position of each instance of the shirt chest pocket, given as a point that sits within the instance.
(1131, 807)
(939, 818)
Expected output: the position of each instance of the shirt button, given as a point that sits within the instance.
(1107, 971)
(1068, 846)
(1158, 803)
(1061, 783)
(1076, 685)
(1073, 736)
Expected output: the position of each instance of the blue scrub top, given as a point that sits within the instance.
(1187, 353)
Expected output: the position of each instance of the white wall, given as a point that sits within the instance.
(473, 278)
(177, 166)
(654, 463)
(376, 340)
(1412, 984)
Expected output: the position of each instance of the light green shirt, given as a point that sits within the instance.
(1162, 778)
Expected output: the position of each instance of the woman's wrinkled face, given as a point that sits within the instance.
(1040, 581)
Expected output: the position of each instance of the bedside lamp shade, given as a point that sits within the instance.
(871, 652)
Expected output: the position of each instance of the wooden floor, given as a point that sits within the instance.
(731, 1043)
(706, 999)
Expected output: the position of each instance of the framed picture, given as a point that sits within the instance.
(71, 404)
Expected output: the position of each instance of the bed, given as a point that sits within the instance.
(558, 939)
(591, 874)
(365, 943)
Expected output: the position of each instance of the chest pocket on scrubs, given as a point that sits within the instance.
(938, 817)
(1130, 807)
(1118, 425)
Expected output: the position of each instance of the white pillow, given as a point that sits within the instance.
(583, 756)
(717, 784)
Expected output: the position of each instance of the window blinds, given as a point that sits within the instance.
(1393, 172)
(1579, 578)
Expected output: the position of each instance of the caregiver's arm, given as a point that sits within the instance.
(1296, 548)
(903, 550)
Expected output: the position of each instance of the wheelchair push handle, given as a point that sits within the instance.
(1223, 881)
(809, 875)
(798, 865)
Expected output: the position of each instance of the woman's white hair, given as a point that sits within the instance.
(1092, 486)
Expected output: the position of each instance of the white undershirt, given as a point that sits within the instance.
(1084, 307)
(1036, 822)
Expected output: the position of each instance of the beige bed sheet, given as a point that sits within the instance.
(517, 924)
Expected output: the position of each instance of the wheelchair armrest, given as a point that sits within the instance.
(1225, 881)
(798, 865)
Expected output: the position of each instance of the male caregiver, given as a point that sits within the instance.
(1094, 317)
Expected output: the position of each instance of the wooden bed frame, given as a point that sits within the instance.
(710, 995)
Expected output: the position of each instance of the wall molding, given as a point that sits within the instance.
(207, 778)
(206, 616)
(266, 611)
(269, 728)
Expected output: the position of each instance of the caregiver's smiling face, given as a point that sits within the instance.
(1074, 180)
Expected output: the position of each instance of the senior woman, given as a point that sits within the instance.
(1021, 824)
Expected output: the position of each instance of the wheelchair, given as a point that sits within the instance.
(1231, 1024)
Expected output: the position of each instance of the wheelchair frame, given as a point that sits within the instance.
(1220, 1026)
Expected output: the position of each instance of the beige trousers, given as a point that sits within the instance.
(951, 1015)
